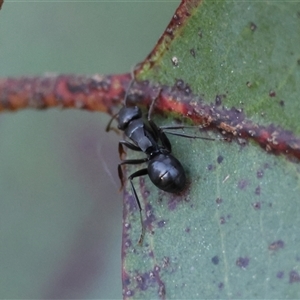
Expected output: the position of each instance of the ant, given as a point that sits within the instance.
(164, 170)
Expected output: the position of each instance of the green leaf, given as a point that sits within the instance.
(234, 232)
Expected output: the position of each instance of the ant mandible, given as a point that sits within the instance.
(163, 169)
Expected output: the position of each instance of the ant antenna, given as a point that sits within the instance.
(189, 135)
(108, 126)
(130, 85)
(174, 127)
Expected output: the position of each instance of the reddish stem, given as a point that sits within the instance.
(106, 94)
(94, 93)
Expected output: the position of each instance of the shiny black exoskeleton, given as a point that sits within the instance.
(163, 169)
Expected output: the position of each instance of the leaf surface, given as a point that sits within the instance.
(233, 233)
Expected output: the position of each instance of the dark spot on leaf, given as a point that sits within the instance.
(294, 277)
(253, 26)
(211, 167)
(276, 245)
(193, 53)
(161, 223)
(126, 282)
(219, 200)
(140, 282)
(180, 84)
(242, 184)
(242, 262)
(220, 159)
(280, 274)
(148, 279)
(256, 205)
(272, 93)
(218, 100)
(222, 220)
(187, 90)
(126, 279)
(281, 103)
(257, 190)
(215, 260)
(260, 173)
(221, 285)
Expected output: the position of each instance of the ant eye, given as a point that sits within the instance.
(121, 127)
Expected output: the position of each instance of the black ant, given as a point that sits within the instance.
(164, 170)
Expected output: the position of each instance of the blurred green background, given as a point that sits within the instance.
(60, 210)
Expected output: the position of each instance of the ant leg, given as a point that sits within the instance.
(165, 129)
(138, 174)
(157, 130)
(178, 127)
(108, 126)
(160, 135)
(189, 135)
(129, 162)
(128, 145)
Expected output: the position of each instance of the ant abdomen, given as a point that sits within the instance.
(167, 173)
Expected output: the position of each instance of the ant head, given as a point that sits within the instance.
(127, 114)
